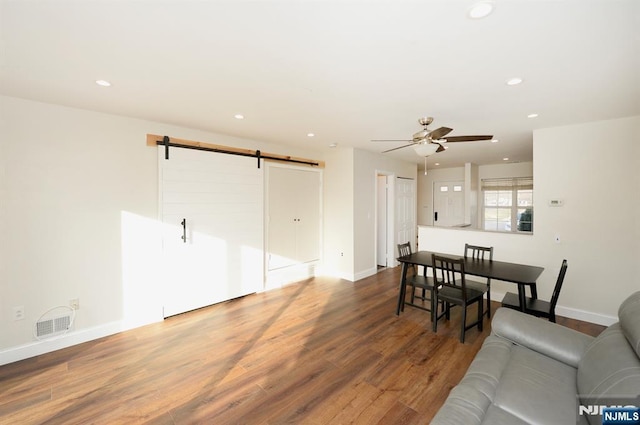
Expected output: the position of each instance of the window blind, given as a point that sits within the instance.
(520, 183)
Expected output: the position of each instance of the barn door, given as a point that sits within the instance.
(212, 213)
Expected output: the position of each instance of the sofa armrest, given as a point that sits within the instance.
(553, 340)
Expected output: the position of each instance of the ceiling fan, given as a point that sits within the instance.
(427, 142)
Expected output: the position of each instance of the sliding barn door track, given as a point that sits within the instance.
(165, 141)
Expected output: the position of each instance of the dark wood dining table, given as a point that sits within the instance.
(521, 274)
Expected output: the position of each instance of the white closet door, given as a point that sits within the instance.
(294, 201)
(282, 216)
(308, 214)
(221, 198)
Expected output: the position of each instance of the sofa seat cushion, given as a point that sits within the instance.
(510, 384)
(537, 389)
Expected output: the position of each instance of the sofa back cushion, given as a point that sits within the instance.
(629, 315)
(609, 371)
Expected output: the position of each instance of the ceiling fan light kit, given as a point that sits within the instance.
(425, 149)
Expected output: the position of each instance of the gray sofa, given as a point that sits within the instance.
(531, 371)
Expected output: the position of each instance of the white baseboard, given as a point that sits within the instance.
(365, 273)
(351, 277)
(344, 276)
(585, 316)
(280, 277)
(37, 348)
(572, 313)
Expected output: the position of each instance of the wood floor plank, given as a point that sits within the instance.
(318, 352)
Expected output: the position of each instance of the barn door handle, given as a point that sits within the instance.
(184, 230)
(436, 216)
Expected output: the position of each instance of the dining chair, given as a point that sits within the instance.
(536, 307)
(404, 249)
(417, 281)
(476, 252)
(451, 288)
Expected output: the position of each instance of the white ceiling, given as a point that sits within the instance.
(347, 70)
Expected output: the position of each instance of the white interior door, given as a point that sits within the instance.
(448, 202)
(218, 254)
(406, 211)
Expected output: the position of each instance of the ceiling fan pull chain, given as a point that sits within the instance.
(425, 165)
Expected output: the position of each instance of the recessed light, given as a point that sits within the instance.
(103, 83)
(505, 159)
(238, 116)
(532, 115)
(437, 163)
(494, 140)
(446, 147)
(333, 145)
(514, 81)
(310, 134)
(481, 10)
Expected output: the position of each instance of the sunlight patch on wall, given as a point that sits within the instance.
(141, 260)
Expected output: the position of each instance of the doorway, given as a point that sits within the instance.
(384, 250)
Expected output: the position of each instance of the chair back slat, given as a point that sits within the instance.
(478, 252)
(449, 272)
(404, 249)
(558, 287)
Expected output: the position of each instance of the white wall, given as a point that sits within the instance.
(366, 167)
(338, 210)
(78, 210)
(595, 169)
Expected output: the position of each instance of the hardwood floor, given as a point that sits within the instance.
(324, 351)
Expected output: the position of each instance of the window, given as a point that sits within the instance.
(508, 204)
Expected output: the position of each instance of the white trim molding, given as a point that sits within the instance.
(37, 348)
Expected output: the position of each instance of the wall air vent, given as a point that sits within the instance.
(53, 326)
(56, 321)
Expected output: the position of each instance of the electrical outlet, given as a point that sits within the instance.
(18, 312)
(74, 303)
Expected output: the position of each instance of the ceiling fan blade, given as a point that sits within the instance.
(440, 147)
(439, 133)
(400, 147)
(467, 138)
(391, 140)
